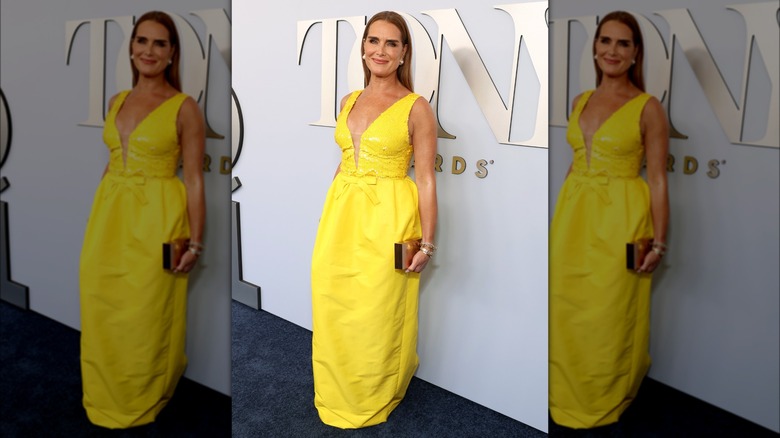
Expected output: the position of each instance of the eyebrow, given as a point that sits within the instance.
(627, 40)
(389, 40)
(154, 40)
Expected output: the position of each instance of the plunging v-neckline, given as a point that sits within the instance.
(356, 147)
(125, 143)
(589, 145)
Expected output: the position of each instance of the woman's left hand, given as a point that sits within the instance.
(187, 262)
(650, 263)
(419, 261)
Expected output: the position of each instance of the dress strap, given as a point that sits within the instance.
(584, 98)
(351, 100)
(120, 99)
(637, 105)
(406, 103)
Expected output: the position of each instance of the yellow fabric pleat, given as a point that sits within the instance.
(599, 310)
(133, 313)
(364, 311)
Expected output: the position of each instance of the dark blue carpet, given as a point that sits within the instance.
(273, 392)
(40, 383)
(661, 411)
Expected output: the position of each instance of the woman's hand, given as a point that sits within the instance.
(419, 261)
(650, 263)
(187, 262)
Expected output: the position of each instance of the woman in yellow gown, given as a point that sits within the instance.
(364, 311)
(133, 313)
(599, 309)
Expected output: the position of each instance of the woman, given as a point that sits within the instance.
(365, 312)
(599, 309)
(133, 312)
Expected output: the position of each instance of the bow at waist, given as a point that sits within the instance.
(133, 183)
(366, 183)
(597, 183)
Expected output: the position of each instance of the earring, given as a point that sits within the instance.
(595, 56)
(401, 62)
(633, 61)
(170, 61)
(131, 57)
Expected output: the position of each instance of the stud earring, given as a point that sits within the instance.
(401, 62)
(595, 56)
(633, 61)
(364, 56)
(170, 61)
(131, 57)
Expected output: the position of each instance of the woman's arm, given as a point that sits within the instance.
(422, 129)
(656, 139)
(193, 140)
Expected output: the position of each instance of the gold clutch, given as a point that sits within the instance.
(636, 252)
(172, 252)
(404, 253)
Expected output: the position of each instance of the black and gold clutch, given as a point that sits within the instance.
(636, 253)
(172, 252)
(404, 253)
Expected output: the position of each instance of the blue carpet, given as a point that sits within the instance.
(40, 383)
(273, 392)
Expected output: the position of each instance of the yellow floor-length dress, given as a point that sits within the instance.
(364, 311)
(599, 310)
(133, 313)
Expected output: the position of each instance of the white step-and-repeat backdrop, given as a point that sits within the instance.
(483, 310)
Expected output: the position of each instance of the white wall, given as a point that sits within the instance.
(54, 164)
(715, 324)
(483, 310)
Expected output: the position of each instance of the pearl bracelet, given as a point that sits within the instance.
(659, 248)
(195, 248)
(428, 248)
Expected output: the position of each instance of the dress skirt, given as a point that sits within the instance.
(133, 313)
(599, 309)
(364, 311)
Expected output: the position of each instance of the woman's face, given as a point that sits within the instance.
(151, 48)
(383, 48)
(615, 49)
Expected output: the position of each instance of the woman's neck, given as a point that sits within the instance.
(152, 85)
(619, 85)
(386, 85)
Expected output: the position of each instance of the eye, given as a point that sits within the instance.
(140, 40)
(604, 40)
(373, 41)
(624, 43)
(392, 44)
(160, 43)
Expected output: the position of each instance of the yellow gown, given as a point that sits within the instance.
(364, 311)
(133, 313)
(599, 310)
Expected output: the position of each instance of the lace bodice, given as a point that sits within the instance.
(385, 148)
(616, 147)
(153, 148)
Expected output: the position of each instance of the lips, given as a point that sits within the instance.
(611, 61)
